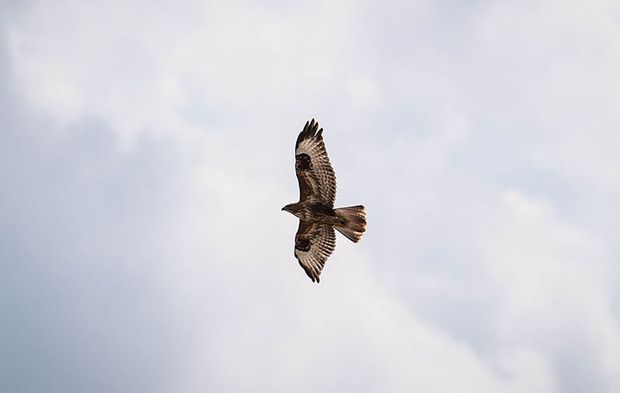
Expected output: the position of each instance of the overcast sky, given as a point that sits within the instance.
(146, 148)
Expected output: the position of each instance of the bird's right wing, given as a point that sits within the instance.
(314, 243)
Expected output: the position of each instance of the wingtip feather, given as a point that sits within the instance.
(310, 131)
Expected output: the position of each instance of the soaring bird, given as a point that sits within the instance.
(315, 239)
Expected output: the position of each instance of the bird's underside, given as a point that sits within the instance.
(315, 239)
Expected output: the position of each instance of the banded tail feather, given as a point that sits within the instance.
(355, 225)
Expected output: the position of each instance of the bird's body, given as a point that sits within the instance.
(316, 213)
(315, 239)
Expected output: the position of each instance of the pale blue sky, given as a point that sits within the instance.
(146, 149)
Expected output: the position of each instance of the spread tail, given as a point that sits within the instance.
(355, 222)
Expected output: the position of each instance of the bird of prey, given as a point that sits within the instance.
(315, 239)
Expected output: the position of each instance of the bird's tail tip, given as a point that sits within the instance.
(355, 226)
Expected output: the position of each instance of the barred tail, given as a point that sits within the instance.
(355, 222)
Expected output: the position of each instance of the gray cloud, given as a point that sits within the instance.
(145, 159)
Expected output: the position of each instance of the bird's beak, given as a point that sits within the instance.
(284, 208)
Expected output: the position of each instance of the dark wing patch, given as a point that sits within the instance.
(314, 243)
(309, 184)
(315, 174)
(303, 162)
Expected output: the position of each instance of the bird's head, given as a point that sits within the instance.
(290, 208)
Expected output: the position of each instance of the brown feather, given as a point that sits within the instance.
(314, 243)
(315, 239)
(317, 181)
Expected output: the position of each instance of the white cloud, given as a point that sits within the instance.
(460, 128)
(138, 70)
(553, 286)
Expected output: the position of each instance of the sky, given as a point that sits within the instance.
(146, 149)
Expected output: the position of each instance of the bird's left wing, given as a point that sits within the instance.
(317, 180)
(314, 243)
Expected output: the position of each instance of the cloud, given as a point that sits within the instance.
(554, 286)
(146, 152)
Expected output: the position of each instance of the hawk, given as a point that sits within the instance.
(315, 239)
